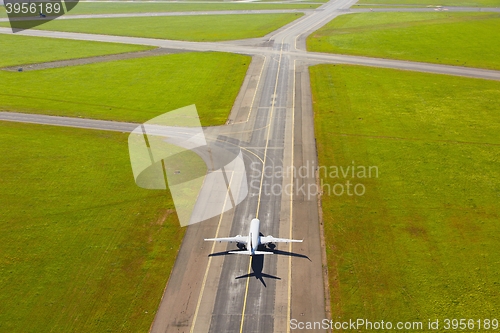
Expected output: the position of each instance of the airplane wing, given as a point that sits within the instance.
(271, 239)
(237, 239)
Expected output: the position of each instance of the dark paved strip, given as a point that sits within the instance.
(102, 125)
(92, 60)
(471, 72)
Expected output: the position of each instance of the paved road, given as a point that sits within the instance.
(263, 46)
(91, 60)
(68, 122)
(272, 122)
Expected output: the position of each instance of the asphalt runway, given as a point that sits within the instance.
(272, 122)
(239, 294)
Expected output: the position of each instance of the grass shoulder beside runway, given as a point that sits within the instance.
(90, 8)
(423, 240)
(374, 6)
(21, 50)
(134, 90)
(190, 28)
(82, 248)
(462, 3)
(462, 39)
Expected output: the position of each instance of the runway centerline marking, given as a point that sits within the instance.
(246, 293)
(269, 130)
(262, 177)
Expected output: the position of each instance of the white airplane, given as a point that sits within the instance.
(253, 240)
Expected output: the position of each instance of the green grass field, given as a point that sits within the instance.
(82, 248)
(190, 28)
(365, 6)
(465, 39)
(423, 241)
(465, 3)
(85, 8)
(20, 50)
(133, 90)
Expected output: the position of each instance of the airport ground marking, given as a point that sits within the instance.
(269, 131)
(262, 176)
(329, 18)
(246, 294)
(293, 24)
(213, 248)
(289, 305)
(254, 154)
(296, 37)
(243, 148)
(256, 89)
(245, 131)
(195, 316)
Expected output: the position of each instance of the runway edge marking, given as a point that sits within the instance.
(209, 261)
(288, 315)
(256, 89)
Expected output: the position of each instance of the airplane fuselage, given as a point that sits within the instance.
(254, 236)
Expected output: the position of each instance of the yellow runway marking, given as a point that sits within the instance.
(209, 261)
(256, 88)
(262, 179)
(269, 131)
(288, 313)
(246, 294)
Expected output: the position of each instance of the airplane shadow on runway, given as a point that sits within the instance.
(258, 262)
(257, 265)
